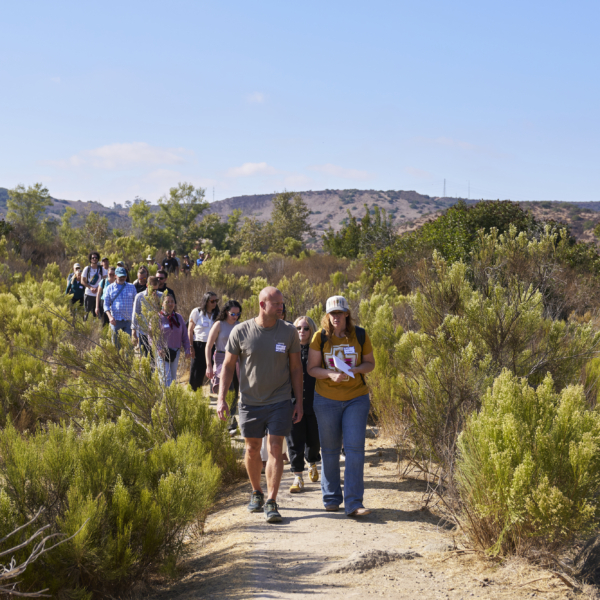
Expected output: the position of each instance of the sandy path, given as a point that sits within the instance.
(241, 556)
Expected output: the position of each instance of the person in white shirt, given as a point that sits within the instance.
(91, 278)
(200, 323)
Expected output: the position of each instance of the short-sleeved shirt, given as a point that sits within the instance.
(94, 276)
(347, 349)
(202, 324)
(264, 360)
(170, 265)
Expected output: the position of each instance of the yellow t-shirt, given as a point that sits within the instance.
(347, 349)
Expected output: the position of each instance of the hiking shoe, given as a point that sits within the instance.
(332, 508)
(257, 500)
(271, 513)
(313, 473)
(359, 512)
(298, 485)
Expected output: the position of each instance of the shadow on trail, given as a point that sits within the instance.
(237, 579)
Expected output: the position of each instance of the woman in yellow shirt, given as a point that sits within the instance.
(341, 404)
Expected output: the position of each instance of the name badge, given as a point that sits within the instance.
(279, 347)
(349, 350)
(166, 326)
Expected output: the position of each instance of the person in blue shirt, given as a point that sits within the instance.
(118, 303)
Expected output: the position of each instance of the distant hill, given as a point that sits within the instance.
(329, 208)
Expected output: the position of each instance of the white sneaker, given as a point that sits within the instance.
(298, 485)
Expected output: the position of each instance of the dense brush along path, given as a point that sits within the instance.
(401, 550)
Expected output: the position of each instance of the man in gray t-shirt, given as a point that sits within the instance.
(270, 366)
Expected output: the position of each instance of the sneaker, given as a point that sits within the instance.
(257, 500)
(313, 473)
(271, 513)
(298, 485)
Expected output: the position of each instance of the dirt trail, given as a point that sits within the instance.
(241, 556)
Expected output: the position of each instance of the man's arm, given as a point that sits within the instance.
(297, 377)
(226, 379)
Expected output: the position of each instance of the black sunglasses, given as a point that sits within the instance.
(234, 314)
(161, 278)
(303, 328)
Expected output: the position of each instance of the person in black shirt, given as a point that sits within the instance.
(162, 275)
(170, 264)
(141, 283)
(303, 440)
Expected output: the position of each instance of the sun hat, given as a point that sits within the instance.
(149, 257)
(336, 303)
(120, 272)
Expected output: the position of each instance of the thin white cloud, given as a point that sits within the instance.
(419, 173)
(248, 169)
(337, 171)
(296, 181)
(256, 98)
(123, 156)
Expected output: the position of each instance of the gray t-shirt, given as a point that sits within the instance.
(264, 361)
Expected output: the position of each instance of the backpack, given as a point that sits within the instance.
(361, 337)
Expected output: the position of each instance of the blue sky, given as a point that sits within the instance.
(112, 100)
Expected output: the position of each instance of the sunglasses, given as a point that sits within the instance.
(214, 300)
(234, 314)
(303, 328)
(161, 278)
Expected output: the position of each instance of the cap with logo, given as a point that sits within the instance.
(120, 272)
(336, 303)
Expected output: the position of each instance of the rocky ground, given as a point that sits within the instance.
(402, 550)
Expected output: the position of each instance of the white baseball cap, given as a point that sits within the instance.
(336, 303)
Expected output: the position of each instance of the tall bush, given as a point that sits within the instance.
(529, 466)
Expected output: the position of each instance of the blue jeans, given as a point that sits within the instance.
(168, 369)
(123, 325)
(345, 420)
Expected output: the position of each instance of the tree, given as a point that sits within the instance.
(289, 218)
(366, 237)
(26, 207)
(96, 230)
(178, 214)
(254, 236)
(143, 221)
(222, 234)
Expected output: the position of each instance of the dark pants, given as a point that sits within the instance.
(198, 368)
(90, 305)
(303, 442)
(77, 301)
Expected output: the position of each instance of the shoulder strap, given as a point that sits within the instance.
(323, 342)
(119, 292)
(361, 337)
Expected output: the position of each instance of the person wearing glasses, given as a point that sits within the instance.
(201, 321)
(340, 355)
(91, 277)
(227, 320)
(162, 276)
(118, 304)
(303, 440)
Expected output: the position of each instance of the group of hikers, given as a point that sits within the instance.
(297, 384)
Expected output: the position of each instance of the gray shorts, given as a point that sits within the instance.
(274, 419)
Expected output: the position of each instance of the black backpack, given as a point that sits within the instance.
(361, 336)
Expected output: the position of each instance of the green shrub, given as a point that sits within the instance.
(529, 466)
(134, 502)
